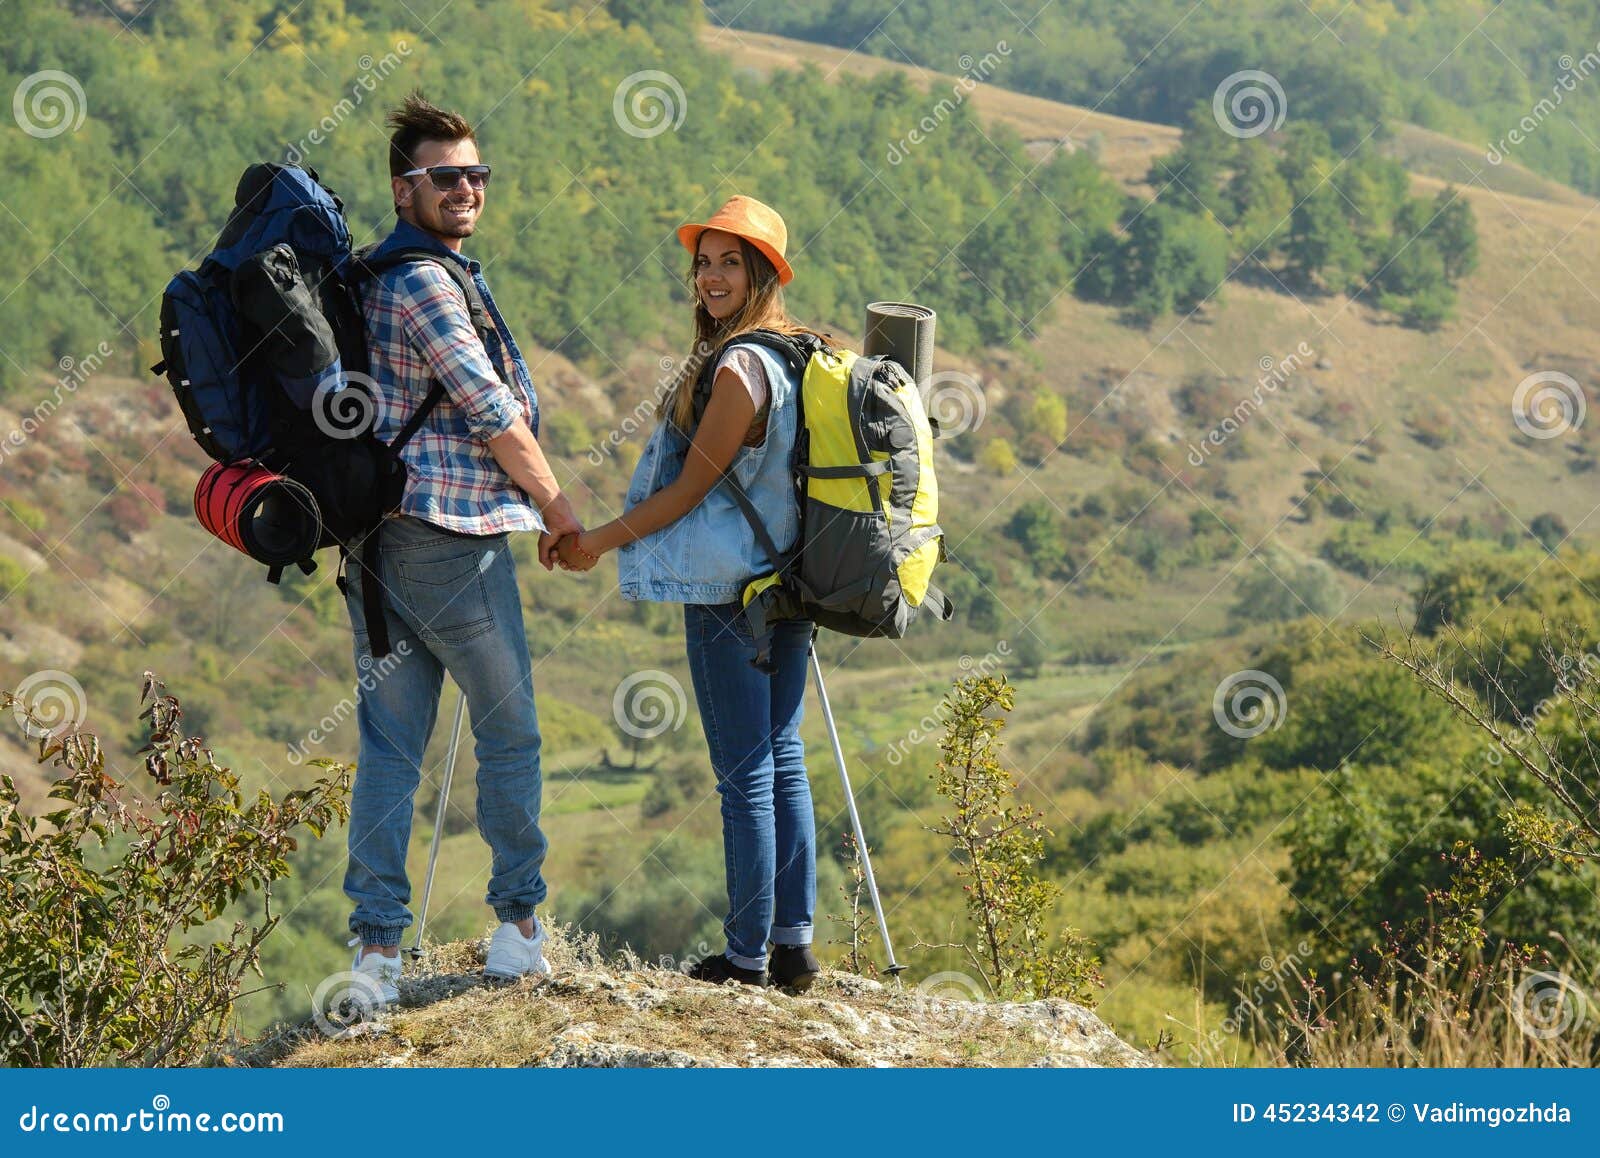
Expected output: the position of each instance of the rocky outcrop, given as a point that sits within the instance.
(594, 1013)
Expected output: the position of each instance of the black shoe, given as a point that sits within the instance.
(793, 967)
(716, 970)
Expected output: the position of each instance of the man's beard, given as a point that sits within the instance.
(446, 225)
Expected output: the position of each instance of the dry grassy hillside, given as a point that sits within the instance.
(1530, 307)
(1124, 147)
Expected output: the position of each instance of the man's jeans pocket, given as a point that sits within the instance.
(447, 597)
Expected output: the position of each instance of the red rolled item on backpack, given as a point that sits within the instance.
(259, 512)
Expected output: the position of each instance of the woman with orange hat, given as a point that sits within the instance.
(683, 539)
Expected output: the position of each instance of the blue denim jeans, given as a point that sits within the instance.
(752, 726)
(451, 604)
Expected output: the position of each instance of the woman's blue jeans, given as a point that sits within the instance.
(451, 604)
(752, 726)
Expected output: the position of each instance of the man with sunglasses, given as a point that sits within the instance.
(450, 598)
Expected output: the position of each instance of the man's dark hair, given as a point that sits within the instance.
(416, 120)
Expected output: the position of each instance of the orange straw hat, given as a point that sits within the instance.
(748, 218)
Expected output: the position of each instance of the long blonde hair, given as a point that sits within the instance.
(763, 309)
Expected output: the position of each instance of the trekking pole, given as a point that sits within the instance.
(894, 968)
(438, 820)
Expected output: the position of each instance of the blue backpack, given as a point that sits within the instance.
(265, 349)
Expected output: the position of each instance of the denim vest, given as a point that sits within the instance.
(709, 554)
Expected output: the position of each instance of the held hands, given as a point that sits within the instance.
(560, 522)
(563, 538)
(574, 554)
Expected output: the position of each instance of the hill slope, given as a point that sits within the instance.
(1412, 423)
(1470, 68)
(1125, 147)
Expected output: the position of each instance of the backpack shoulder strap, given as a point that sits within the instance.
(752, 516)
(794, 349)
(364, 266)
(782, 596)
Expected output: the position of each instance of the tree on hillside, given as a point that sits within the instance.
(582, 203)
(1009, 298)
(1550, 529)
(1259, 203)
(998, 458)
(1374, 189)
(1412, 280)
(1352, 71)
(655, 13)
(1048, 416)
(1170, 261)
(1201, 250)
(1321, 247)
(1307, 158)
(1454, 229)
(1358, 710)
(1037, 527)
(1088, 200)
(1348, 95)
(1191, 176)
(1282, 588)
(1370, 851)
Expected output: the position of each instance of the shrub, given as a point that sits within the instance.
(1432, 428)
(1113, 577)
(1048, 416)
(12, 575)
(1037, 447)
(129, 514)
(99, 968)
(1000, 844)
(1034, 525)
(1550, 529)
(1283, 587)
(27, 514)
(997, 457)
(677, 784)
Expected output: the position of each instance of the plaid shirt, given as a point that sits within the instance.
(418, 330)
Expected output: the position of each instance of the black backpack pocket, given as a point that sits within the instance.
(281, 312)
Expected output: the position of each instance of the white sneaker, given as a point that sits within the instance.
(513, 955)
(384, 972)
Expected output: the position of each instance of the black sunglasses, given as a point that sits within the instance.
(446, 177)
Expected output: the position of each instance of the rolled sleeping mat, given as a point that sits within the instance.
(271, 518)
(904, 332)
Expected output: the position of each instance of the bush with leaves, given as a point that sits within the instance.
(1038, 528)
(1283, 587)
(999, 843)
(1544, 757)
(105, 958)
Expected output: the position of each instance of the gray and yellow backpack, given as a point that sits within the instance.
(869, 501)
